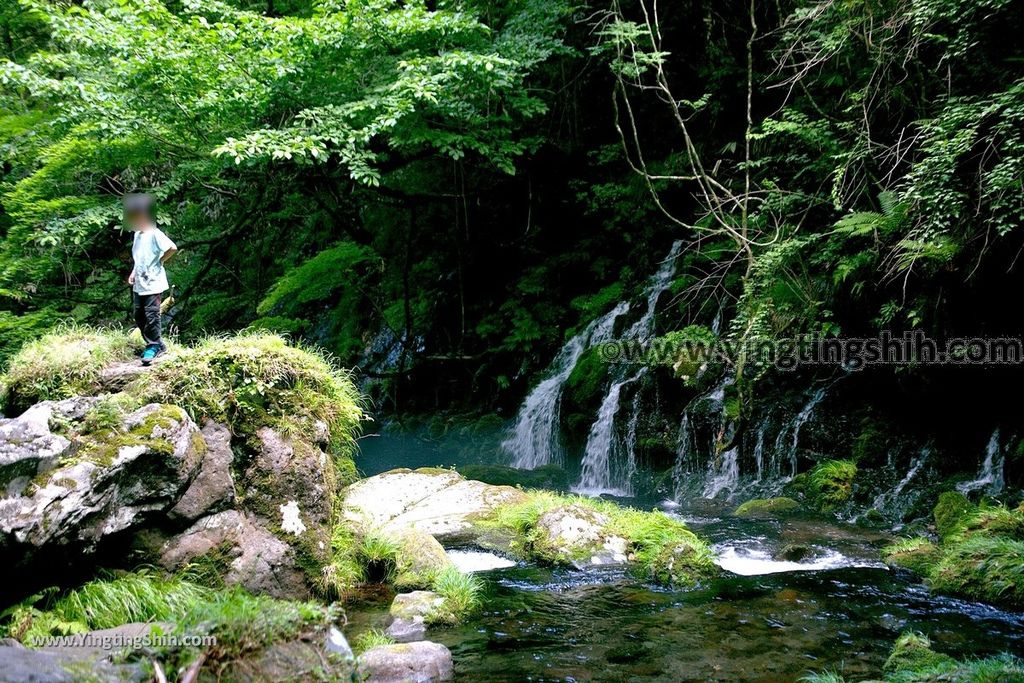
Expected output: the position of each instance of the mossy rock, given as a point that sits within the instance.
(550, 477)
(912, 653)
(829, 484)
(794, 552)
(584, 388)
(918, 555)
(419, 558)
(768, 507)
(950, 509)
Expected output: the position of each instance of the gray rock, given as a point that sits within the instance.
(295, 660)
(438, 502)
(420, 605)
(285, 470)
(250, 555)
(28, 447)
(213, 487)
(98, 488)
(23, 665)
(336, 643)
(407, 630)
(573, 532)
(421, 662)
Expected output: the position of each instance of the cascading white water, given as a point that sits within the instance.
(534, 440)
(684, 449)
(725, 477)
(608, 462)
(793, 431)
(990, 478)
(893, 503)
(603, 470)
(759, 450)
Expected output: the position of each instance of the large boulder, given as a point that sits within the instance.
(93, 484)
(434, 501)
(577, 535)
(422, 662)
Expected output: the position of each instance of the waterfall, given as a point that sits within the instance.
(534, 440)
(688, 452)
(793, 431)
(603, 472)
(892, 503)
(990, 478)
(726, 477)
(609, 463)
(684, 449)
(759, 450)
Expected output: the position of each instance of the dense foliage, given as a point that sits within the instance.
(441, 191)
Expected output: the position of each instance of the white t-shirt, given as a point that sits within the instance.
(149, 247)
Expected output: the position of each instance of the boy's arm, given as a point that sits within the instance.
(167, 247)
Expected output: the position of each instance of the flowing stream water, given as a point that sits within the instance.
(767, 619)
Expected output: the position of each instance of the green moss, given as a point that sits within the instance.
(951, 507)
(828, 485)
(663, 548)
(768, 507)
(62, 363)
(982, 567)
(584, 388)
(255, 380)
(916, 554)
(988, 519)
(912, 653)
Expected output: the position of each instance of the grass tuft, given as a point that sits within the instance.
(371, 639)
(62, 363)
(258, 379)
(461, 593)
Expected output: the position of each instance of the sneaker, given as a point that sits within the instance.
(149, 354)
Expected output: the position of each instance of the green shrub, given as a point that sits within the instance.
(949, 510)
(545, 477)
(240, 621)
(371, 639)
(988, 519)
(60, 364)
(461, 593)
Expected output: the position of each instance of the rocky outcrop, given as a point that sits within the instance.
(213, 487)
(71, 493)
(579, 536)
(241, 549)
(83, 473)
(422, 662)
(19, 664)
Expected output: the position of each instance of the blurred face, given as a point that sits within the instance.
(137, 220)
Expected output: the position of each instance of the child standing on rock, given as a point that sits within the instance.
(151, 249)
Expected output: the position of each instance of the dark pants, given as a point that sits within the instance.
(147, 317)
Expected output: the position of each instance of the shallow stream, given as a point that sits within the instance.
(767, 619)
